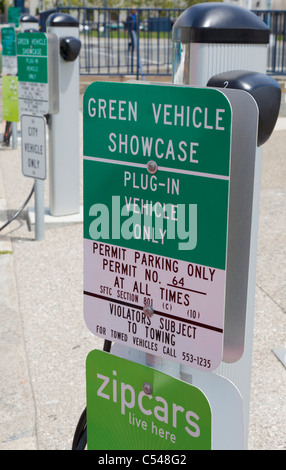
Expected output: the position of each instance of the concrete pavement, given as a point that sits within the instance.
(44, 340)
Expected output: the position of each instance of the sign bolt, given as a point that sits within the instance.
(152, 167)
(147, 388)
(148, 310)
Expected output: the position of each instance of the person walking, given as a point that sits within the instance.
(131, 27)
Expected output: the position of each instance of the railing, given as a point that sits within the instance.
(108, 48)
(276, 21)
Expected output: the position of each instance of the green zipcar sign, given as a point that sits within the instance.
(156, 199)
(133, 407)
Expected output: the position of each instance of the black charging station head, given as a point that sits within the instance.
(264, 89)
(69, 48)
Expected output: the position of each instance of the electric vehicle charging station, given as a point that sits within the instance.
(49, 87)
(210, 38)
(221, 45)
(199, 34)
(265, 90)
(64, 126)
(28, 23)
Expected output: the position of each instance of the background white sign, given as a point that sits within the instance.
(33, 146)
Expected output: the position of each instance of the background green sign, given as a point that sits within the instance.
(14, 14)
(121, 416)
(32, 57)
(8, 41)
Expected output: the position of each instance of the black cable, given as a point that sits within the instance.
(7, 133)
(80, 435)
(19, 210)
(83, 440)
(79, 440)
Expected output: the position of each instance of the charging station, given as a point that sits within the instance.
(156, 289)
(150, 150)
(210, 38)
(29, 23)
(211, 42)
(64, 126)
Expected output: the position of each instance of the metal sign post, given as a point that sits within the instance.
(37, 56)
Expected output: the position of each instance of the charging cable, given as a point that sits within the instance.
(19, 210)
(80, 435)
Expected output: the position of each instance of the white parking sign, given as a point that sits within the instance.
(33, 146)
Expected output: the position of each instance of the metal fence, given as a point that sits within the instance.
(276, 21)
(109, 48)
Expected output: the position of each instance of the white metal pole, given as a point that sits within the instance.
(39, 210)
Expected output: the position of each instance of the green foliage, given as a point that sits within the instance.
(73, 3)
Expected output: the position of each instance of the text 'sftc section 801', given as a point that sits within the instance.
(156, 196)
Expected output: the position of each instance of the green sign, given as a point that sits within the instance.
(131, 406)
(14, 14)
(187, 133)
(8, 41)
(156, 197)
(10, 98)
(9, 59)
(32, 56)
(38, 82)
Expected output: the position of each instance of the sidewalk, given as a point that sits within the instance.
(43, 338)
